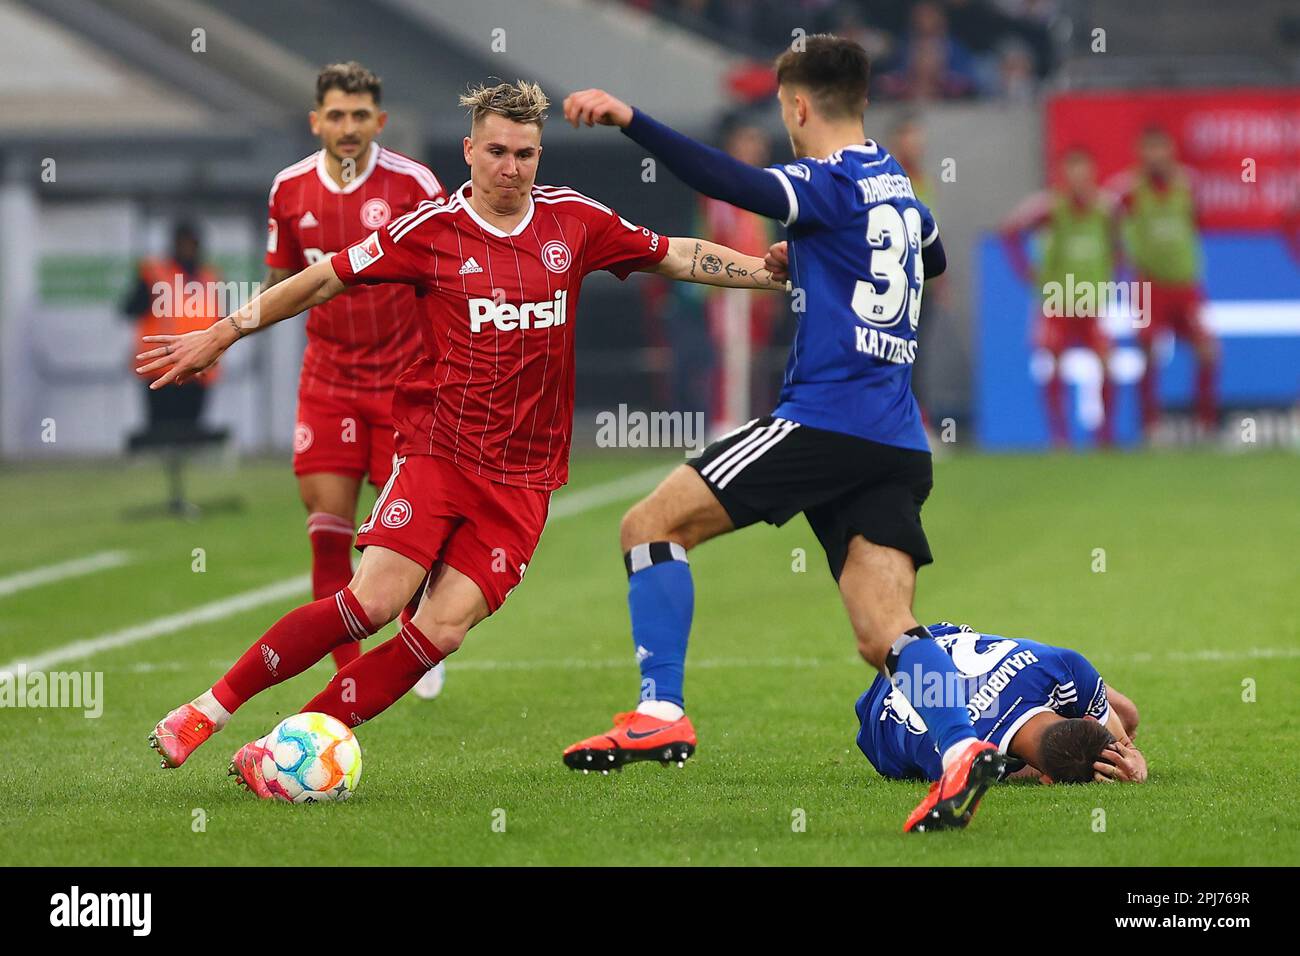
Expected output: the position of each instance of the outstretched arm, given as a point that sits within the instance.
(698, 260)
(777, 260)
(1031, 214)
(705, 169)
(184, 356)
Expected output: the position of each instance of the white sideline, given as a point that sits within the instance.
(566, 506)
(24, 580)
(773, 663)
(203, 614)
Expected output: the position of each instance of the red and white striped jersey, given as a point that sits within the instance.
(360, 341)
(493, 391)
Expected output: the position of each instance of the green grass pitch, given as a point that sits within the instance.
(1193, 617)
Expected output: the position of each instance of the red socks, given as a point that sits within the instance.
(369, 685)
(1054, 397)
(1106, 431)
(331, 568)
(294, 643)
(1207, 406)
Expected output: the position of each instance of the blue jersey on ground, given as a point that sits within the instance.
(1006, 681)
(855, 233)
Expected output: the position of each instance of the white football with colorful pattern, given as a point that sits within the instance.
(311, 758)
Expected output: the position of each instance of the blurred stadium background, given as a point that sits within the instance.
(125, 117)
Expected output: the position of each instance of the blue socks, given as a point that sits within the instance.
(927, 677)
(661, 599)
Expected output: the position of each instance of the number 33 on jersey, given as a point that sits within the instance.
(856, 231)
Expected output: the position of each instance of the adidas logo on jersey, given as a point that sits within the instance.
(271, 659)
(470, 265)
(526, 315)
(308, 221)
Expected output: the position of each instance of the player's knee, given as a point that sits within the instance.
(381, 604)
(873, 646)
(639, 526)
(447, 636)
(318, 502)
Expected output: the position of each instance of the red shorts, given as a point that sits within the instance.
(1176, 309)
(431, 511)
(344, 436)
(1056, 333)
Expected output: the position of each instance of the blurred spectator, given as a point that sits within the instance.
(931, 64)
(929, 49)
(878, 43)
(165, 301)
(1016, 80)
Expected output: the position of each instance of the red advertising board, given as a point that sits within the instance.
(1243, 145)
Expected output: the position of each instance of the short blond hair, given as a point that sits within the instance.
(520, 101)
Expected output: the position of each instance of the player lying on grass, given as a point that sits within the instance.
(1045, 706)
(484, 417)
(845, 445)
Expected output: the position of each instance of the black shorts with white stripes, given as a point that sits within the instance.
(771, 469)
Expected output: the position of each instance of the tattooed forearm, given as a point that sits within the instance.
(760, 278)
(714, 264)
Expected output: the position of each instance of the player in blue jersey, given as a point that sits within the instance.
(845, 445)
(1046, 707)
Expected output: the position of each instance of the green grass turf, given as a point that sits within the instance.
(1197, 596)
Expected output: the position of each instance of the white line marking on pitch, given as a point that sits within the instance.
(588, 499)
(203, 614)
(24, 580)
(808, 663)
(758, 662)
(566, 506)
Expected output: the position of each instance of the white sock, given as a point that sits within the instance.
(955, 751)
(211, 709)
(663, 709)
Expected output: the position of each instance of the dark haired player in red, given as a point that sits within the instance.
(484, 417)
(359, 343)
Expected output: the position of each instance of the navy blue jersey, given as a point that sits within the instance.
(855, 232)
(1006, 681)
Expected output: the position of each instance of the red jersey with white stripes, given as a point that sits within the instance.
(360, 341)
(493, 391)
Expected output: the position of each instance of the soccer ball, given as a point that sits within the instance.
(311, 758)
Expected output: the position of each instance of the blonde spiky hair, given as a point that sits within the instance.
(520, 101)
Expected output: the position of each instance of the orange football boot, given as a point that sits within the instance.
(634, 736)
(953, 798)
(179, 734)
(246, 768)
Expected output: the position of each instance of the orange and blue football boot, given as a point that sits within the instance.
(953, 798)
(246, 768)
(179, 734)
(634, 736)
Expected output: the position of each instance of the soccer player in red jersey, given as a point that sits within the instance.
(484, 417)
(359, 343)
